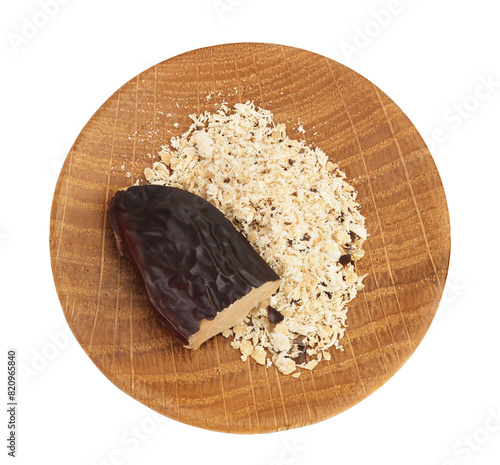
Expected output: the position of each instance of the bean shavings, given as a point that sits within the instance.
(274, 316)
(345, 259)
(279, 193)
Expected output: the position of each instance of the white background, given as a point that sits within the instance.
(432, 57)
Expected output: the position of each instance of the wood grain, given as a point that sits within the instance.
(342, 113)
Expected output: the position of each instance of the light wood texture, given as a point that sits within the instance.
(342, 113)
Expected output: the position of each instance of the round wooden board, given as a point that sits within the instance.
(359, 127)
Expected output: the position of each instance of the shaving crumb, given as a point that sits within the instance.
(259, 355)
(312, 364)
(296, 209)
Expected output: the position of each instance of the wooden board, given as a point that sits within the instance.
(345, 115)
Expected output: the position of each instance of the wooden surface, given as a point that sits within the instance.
(351, 120)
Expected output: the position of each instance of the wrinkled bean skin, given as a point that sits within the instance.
(192, 260)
